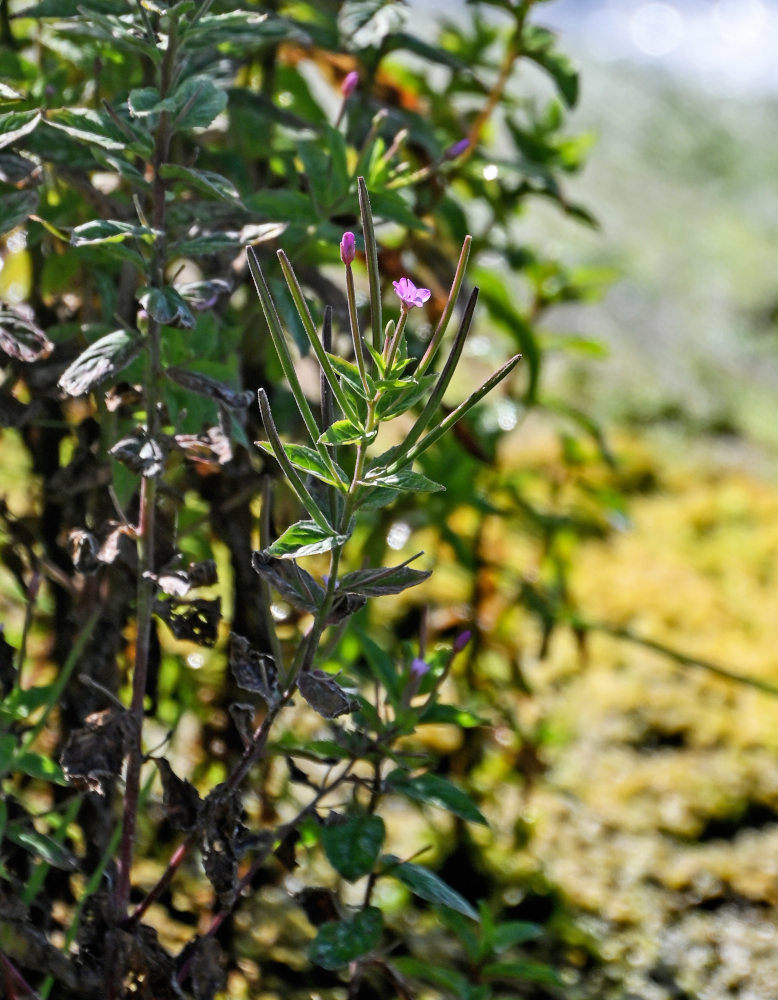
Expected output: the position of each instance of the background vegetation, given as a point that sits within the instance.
(630, 795)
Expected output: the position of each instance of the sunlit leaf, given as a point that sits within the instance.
(305, 538)
(15, 124)
(99, 362)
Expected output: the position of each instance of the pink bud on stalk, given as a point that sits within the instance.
(462, 640)
(349, 84)
(457, 149)
(348, 249)
(409, 294)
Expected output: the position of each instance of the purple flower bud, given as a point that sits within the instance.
(457, 149)
(409, 294)
(462, 640)
(419, 668)
(349, 84)
(348, 250)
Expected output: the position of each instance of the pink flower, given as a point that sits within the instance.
(349, 84)
(419, 668)
(409, 294)
(348, 250)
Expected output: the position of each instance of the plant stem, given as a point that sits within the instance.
(148, 498)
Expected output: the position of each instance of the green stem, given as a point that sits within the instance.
(445, 425)
(453, 295)
(356, 336)
(371, 258)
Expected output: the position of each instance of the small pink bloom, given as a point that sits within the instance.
(419, 668)
(349, 84)
(348, 250)
(409, 294)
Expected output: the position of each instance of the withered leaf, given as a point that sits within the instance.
(83, 550)
(211, 448)
(387, 580)
(292, 583)
(178, 582)
(193, 621)
(141, 454)
(325, 695)
(243, 716)
(150, 971)
(221, 827)
(101, 361)
(181, 800)
(93, 755)
(344, 606)
(204, 385)
(20, 335)
(253, 671)
(206, 971)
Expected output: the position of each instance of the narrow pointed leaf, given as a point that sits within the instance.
(457, 414)
(379, 582)
(427, 885)
(431, 789)
(403, 481)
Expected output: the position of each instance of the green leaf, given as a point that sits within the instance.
(352, 848)
(379, 582)
(381, 665)
(15, 124)
(87, 125)
(15, 208)
(42, 846)
(206, 181)
(435, 713)
(350, 373)
(167, 307)
(539, 47)
(104, 359)
(402, 481)
(282, 205)
(308, 460)
(200, 101)
(391, 207)
(305, 538)
(433, 790)
(338, 943)
(39, 766)
(514, 932)
(427, 885)
(108, 231)
(406, 394)
(148, 101)
(533, 972)
(210, 243)
(7, 750)
(22, 702)
(448, 979)
(345, 432)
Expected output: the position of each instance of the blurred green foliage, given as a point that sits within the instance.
(130, 184)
